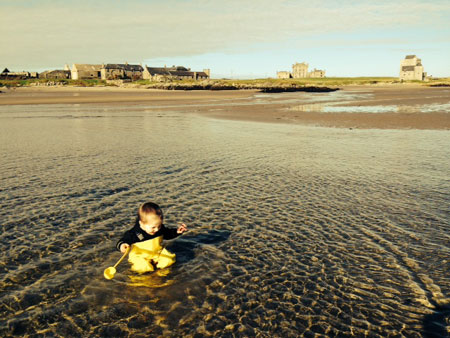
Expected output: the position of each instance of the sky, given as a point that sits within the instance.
(232, 38)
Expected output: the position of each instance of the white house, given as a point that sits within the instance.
(84, 71)
(411, 69)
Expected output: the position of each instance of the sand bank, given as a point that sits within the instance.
(109, 95)
(381, 107)
(385, 107)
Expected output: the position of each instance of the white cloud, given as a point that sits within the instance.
(48, 33)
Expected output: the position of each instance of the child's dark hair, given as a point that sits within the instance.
(149, 208)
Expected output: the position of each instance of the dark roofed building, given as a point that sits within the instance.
(153, 71)
(112, 71)
(126, 67)
(6, 74)
(173, 73)
(55, 74)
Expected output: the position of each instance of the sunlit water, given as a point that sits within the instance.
(294, 231)
(330, 108)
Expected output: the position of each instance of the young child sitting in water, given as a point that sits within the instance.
(145, 239)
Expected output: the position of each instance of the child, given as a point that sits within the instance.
(145, 239)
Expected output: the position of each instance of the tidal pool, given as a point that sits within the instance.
(294, 231)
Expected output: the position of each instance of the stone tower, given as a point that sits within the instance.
(300, 70)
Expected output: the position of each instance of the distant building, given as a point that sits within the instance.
(155, 73)
(55, 74)
(121, 71)
(85, 71)
(316, 73)
(411, 69)
(6, 74)
(284, 75)
(173, 73)
(299, 71)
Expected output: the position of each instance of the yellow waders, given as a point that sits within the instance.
(147, 255)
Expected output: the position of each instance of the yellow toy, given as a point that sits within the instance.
(111, 271)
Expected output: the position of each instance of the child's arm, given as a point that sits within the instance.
(127, 239)
(169, 233)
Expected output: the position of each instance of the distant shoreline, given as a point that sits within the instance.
(264, 85)
(248, 105)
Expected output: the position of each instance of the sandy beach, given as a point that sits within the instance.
(382, 107)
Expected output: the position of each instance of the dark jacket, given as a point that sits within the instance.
(136, 234)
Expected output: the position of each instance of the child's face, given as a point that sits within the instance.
(150, 223)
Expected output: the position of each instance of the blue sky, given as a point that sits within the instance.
(234, 38)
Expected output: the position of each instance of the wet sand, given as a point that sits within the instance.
(80, 95)
(293, 231)
(408, 101)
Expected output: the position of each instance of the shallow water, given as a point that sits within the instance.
(337, 107)
(294, 231)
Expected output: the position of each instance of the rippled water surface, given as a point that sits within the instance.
(294, 231)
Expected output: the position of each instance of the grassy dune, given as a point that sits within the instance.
(51, 82)
(229, 84)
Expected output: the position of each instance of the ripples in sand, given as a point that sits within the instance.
(294, 231)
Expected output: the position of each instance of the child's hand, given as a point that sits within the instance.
(182, 228)
(124, 247)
